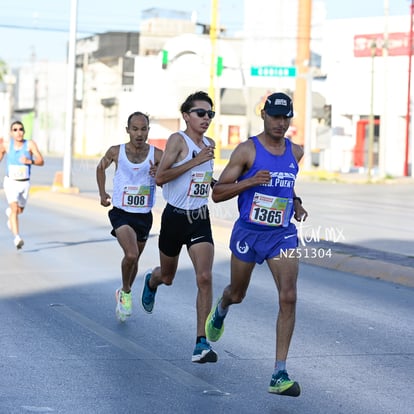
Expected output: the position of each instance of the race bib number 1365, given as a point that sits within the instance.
(270, 211)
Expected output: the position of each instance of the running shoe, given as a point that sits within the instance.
(18, 242)
(203, 352)
(148, 294)
(214, 324)
(281, 384)
(123, 304)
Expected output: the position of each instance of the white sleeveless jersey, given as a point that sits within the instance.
(190, 190)
(133, 187)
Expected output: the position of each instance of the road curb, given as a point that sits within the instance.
(376, 269)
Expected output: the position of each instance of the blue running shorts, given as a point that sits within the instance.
(250, 243)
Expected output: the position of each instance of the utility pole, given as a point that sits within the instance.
(302, 64)
(371, 113)
(67, 156)
(214, 90)
(384, 125)
(408, 115)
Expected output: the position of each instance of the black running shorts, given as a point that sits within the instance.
(179, 227)
(140, 222)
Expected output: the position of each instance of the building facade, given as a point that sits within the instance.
(357, 92)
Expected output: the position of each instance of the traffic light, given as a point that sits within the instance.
(219, 67)
(164, 59)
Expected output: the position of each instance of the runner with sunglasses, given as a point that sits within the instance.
(185, 174)
(21, 155)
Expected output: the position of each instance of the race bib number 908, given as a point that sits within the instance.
(138, 197)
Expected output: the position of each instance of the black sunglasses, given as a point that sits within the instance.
(201, 113)
(18, 129)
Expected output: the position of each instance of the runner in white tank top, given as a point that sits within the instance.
(132, 200)
(134, 186)
(185, 173)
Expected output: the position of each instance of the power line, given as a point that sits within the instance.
(39, 28)
(54, 29)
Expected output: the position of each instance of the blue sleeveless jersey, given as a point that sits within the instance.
(269, 206)
(13, 160)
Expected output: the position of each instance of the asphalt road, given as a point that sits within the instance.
(63, 351)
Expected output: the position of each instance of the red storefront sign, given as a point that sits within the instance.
(398, 44)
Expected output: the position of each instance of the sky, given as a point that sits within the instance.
(38, 30)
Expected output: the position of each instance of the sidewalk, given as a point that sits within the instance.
(358, 260)
(351, 178)
(362, 261)
(318, 174)
(345, 258)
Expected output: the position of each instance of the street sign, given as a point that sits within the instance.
(286, 71)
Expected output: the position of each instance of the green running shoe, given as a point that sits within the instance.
(214, 324)
(281, 384)
(123, 304)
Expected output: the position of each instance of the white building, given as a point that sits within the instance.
(359, 85)
(119, 73)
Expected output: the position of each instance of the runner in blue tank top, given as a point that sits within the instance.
(22, 154)
(262, 173)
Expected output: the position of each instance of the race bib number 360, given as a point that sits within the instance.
(200, 184)
(269, 211)
(138, 197)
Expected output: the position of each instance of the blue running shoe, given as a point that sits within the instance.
(203, 352)
(214, 324)
(281, 384)
(148, 294)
